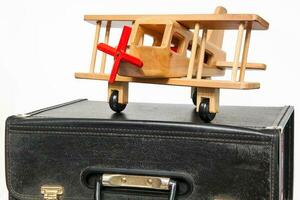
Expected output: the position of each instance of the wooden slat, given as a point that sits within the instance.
(237, 52)
(254, 66)
(245, 55)
(202, 54)
(106, 41)
(175, 81)
(166, 40)
(142, 41)
(193, 51)
(96, 40)
(209, 21)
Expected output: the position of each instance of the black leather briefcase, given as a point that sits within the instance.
(81, 150)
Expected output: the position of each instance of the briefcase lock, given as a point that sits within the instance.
(52, 192)
(135, 181)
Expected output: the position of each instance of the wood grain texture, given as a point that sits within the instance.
(96, 41)
(159, 60)
(208, 21)
(162, 62)
(193, 51)
(106, 41)
(202, 54)
(245, 55)
(175, 81)
(237, 53)
(253, 66)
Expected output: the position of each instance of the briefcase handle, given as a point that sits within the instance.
(135, 181)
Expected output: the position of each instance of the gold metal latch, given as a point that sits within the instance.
(52, 192)
(119, 180)
(136, 181)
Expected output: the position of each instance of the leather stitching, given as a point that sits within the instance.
(141, 130)
(45, 119)
(141, 136)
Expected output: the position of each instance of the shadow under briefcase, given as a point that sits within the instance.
(81, 150)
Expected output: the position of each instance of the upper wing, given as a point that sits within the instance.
(208, 21)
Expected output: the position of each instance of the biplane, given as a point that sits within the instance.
(177, 55)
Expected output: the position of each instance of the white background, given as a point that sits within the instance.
(42, 44)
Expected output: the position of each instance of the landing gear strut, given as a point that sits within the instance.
(204, 110)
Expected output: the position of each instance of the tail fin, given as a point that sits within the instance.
(216, 36)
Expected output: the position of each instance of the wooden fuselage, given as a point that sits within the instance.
(167, 55)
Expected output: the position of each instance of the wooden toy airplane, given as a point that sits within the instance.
(177, 55)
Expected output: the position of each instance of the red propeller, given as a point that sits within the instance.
(120, 54)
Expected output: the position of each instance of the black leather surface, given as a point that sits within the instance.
(235, 157)
(241, 116)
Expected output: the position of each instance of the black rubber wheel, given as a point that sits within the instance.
(204, 113)
(194, 97)
(113, 102)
